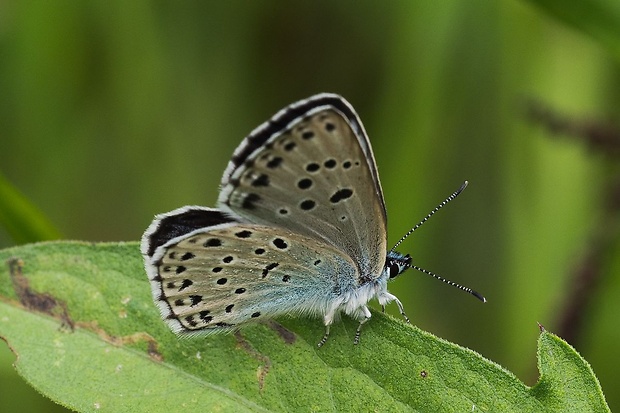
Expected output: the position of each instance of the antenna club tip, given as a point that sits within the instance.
(465, 183)
(479, 296)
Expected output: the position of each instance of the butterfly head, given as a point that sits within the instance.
(396, 263)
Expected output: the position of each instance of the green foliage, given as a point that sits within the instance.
(597, 18)
(81, 321)
(21, 219)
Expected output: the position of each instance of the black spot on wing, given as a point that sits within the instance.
(212, 242)
(307, 135)
(330, 163)
(341, 195)
(280, 243)
(274, 162)
(262, 180)
(250, 200)
(243, 234)
(195, 299)
(269, 268)
(304, 183)
(187, 256)
(205, 317)
(185, 284)
(307, 204)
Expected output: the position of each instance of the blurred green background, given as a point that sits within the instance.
(113, 111)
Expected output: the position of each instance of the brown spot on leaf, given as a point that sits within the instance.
(40, 302)
(287, 335)
(47, 304)
(152, 347)
(262, 370)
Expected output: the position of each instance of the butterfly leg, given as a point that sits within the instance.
(367, 315)
(324, 339)
(387, 297)
(328, 320)
(401, 309)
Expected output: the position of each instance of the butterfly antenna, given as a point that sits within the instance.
(437, 208)
(452, 283)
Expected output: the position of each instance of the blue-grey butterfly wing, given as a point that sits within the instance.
(310, 170)
(210, 273)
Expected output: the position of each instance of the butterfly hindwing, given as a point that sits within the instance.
(222, 276)
(310, 170)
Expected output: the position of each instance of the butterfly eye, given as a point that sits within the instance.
(394, 270)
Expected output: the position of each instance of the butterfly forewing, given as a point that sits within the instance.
(231, 274)
(313, 177)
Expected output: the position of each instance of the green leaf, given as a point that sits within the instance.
(86, 333)
(22, 220)
(567, 381)
(600, 19)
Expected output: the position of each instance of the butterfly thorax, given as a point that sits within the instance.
(353, 301)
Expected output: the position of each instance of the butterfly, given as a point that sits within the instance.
(300, 229)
